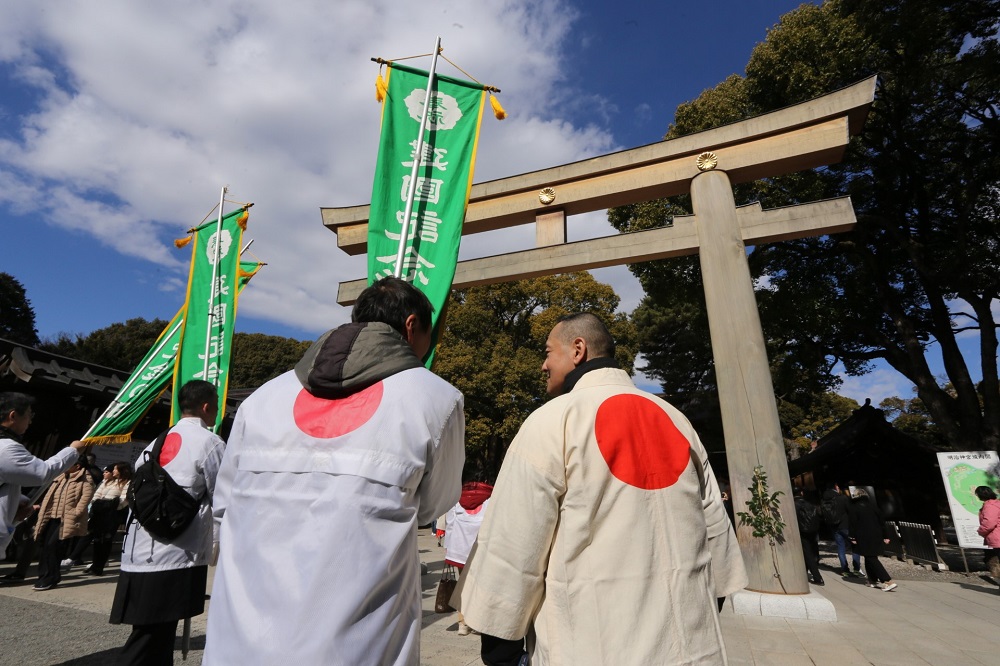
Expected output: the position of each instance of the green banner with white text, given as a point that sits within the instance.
(210, 308)
(443, 180)
(149, 379)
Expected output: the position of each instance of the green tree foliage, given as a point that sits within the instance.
(922, 265)
(120, 346)
(17, 319)
(910, 416)
(805, 426)
(258, 358)
(493, 347)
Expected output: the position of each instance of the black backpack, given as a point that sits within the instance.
(830, 514)
(808, 516)
(162, 507)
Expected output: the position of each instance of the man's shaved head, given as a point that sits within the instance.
(589, 327)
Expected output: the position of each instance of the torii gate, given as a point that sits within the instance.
(706, 164)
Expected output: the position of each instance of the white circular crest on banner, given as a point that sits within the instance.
(227, 241)
(444, 113)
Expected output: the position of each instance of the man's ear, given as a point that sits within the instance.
(412, 326)
(579, 349)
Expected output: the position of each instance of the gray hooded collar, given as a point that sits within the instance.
(352, 357)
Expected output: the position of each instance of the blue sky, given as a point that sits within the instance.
(119, 126)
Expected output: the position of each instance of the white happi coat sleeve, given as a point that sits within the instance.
(18, 467)
(503, 582)
(441, 486)
(727, 561)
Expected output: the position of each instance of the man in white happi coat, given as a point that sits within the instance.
(18, 467)
(606, 540)
(328, 471)
(163, 582)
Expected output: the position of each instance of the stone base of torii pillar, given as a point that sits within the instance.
(811, 606)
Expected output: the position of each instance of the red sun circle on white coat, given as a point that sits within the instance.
(171, 447)
(325, 418)
(640, 442)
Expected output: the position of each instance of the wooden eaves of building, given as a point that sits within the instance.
(71, 394)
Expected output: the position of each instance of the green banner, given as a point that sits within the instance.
(148, 380)
(443, 180)
(210, 308)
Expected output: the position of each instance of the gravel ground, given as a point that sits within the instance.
(951, 555)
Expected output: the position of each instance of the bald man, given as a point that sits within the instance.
(606, 540)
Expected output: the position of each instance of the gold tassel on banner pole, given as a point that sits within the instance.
(242, 221)
(381, 88)
(498, 111)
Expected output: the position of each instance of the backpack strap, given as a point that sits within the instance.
(148, 456)
(154, 455)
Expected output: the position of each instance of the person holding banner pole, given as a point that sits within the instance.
(18, 467)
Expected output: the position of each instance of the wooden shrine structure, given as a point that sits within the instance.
(706, 165)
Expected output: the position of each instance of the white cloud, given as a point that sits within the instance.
(146, 110)
(881, 383)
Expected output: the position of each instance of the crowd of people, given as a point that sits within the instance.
(605, 507)
(74, 512)
(856, 524)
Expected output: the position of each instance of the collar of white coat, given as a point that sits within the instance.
(603, 377)
(196, 420)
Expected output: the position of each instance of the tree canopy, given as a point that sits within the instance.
(922, 265)
(258, 358)
(120, 346)
(17, 318)
(493, 347)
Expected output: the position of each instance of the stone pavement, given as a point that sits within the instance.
(951, 623)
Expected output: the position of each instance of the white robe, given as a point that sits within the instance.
(318, 553)
(594, 569)
(461, 528)
(194, 468)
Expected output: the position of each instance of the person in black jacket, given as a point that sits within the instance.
(808, 517)
(835, 505)
(867, 531)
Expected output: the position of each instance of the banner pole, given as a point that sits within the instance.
(135, 373)
(215, 277)
(417, 155)
(164, 339)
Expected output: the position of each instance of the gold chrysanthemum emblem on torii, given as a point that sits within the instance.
(547, 195)
(707, 161)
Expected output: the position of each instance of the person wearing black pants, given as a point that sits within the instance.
(808, 518)
(150, 644)
(868, 534)
(62, 515)
(163, 578)
(53, 549)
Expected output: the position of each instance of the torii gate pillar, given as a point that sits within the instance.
(743, 376)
